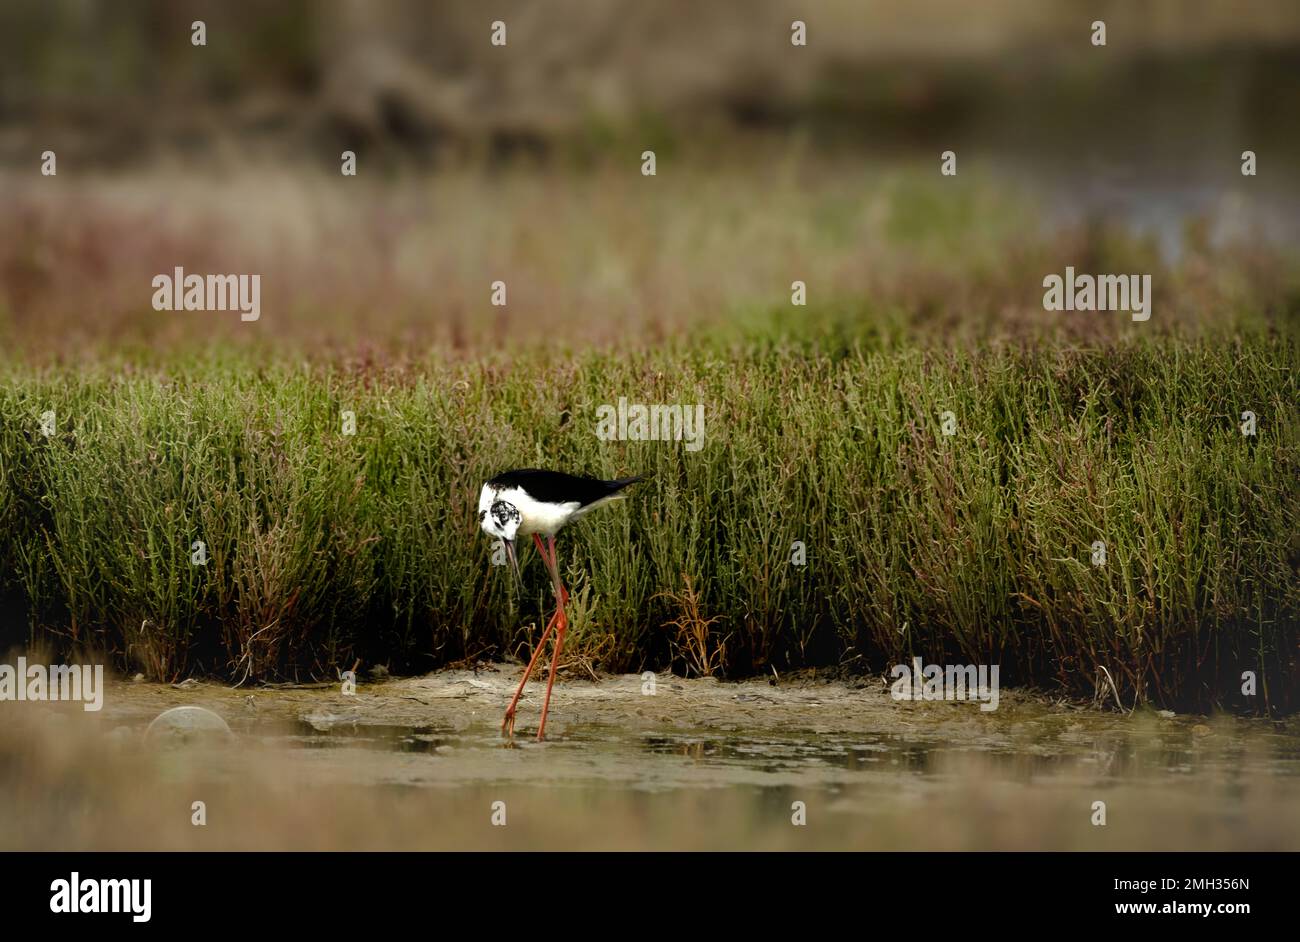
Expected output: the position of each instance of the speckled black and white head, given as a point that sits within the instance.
(500, 519)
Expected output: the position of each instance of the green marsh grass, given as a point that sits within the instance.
(324, 548)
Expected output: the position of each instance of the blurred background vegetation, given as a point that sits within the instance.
(522, 163)
(1178, 79)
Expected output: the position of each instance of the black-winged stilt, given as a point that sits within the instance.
(537, 503)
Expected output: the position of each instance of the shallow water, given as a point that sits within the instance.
(420, 763)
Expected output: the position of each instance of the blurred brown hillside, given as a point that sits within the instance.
(112, 82)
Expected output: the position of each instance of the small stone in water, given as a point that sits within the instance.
(186, 724)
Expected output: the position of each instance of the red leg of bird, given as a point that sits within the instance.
(508, 723)
(562, 597)
(549, 559)
(553, 566)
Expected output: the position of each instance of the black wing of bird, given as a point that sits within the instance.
(556, 487)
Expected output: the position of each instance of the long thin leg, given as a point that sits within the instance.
(508, 723)
(553, 568)
(561, 596)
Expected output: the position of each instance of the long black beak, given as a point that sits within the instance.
(514, 561)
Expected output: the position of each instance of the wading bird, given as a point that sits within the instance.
(537, 503)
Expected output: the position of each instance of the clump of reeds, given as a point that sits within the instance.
(323, 547)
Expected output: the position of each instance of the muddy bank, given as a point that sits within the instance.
(419, 763)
